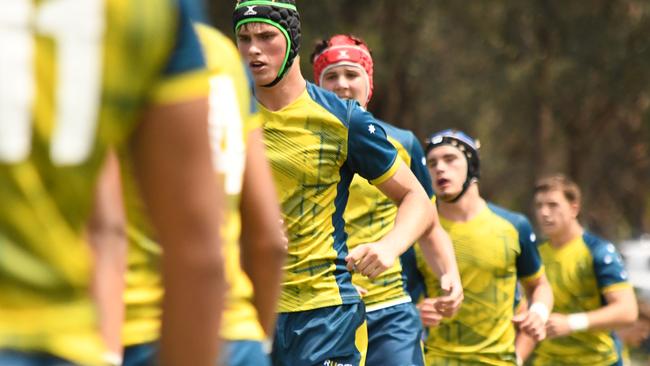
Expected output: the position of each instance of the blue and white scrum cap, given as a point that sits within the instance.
(467, 146)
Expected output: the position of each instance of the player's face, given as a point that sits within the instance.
(554, 212)
(348, 82)
(448, 168)
(263, 47)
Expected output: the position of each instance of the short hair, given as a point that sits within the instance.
(559, 182)
(319, 46)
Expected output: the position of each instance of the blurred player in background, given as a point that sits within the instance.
(592, 294)
(316, 142)
(494, 248)
(343, 64)
(79, 77)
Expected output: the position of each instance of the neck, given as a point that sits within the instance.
(284, 92)
(563, 237)
(466, 208)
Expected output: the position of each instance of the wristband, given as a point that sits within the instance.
(578, 321)
(112, 358)
(540, 309)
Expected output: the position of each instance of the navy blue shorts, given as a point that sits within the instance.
(143, 354)
(331, 336)
(19, 358)
(395, 336)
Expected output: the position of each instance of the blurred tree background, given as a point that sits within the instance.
(546, 85)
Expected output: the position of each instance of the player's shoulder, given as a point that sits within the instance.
(343, 109)
(516, 219)
(597, 245)
(595, 241)
(607, 262)
(218, 49)
(212, 36)
(405, 137)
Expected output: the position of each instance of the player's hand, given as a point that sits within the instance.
(557, 326)
(530, 323)
(371, 259)
(428, 314)
(635, 334)
(449, 304)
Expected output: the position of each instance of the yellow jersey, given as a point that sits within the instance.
(315, 145)
(493, 250)
(75, 76)
(580, 273)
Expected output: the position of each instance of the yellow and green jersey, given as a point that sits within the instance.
(580, 273)
(233, 114)
(75, 77)
(315, 145)
(493, 250)
(370, 215)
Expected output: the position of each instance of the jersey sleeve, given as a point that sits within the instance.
(529, 263)
(609, 269)
(370, 154)
(419, 165)
(185, 76)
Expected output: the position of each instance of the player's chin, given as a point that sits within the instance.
(445, 196)
(548, 229)
(264, 78)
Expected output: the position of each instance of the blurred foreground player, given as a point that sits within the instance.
(78, 77)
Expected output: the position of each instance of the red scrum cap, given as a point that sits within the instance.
(344, 50)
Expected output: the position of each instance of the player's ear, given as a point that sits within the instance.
(575, 209)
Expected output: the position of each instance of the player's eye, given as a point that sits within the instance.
(351, 75)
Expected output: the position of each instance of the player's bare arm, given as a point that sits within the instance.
(173, 165)
(107, 236)
(439, 255)
(532, 321)
(621, 311)
(263, 246)
(524, 344)
(414, 215)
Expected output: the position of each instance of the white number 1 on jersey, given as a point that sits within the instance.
(77, 27)
(226, 133)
